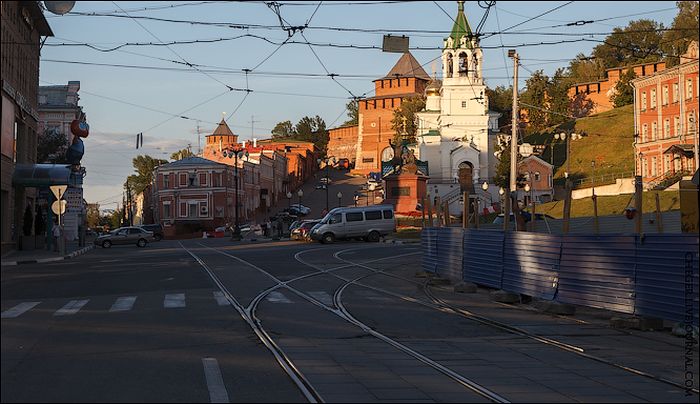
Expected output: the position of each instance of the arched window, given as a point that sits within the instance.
(463, 64)
(449, 65)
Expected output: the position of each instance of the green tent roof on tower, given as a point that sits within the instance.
(461, 27)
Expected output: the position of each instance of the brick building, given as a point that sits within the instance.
(23, 25)
(599, 92)
(58, 107)
(666, 130)
(539, 174)
(342, 143)
(406, 79)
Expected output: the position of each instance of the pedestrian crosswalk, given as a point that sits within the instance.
(121, 304)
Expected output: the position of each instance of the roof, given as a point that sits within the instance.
(191, 162)
(40, 22)
(461, 28)
(407, 66)
(687, 149)
(539, 160)
(222, 129)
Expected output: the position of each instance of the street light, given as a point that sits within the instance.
(300, 194)
(340, 196)
(564, 137)
(356, 198)
(289, 200)
(326, 160)
(593, 178)
(236, 153)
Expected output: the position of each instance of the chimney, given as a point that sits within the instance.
(255, 142)
(243, 143)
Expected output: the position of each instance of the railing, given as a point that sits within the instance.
(604, 179)
(667, 179)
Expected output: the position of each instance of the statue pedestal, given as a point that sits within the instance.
(404, 191)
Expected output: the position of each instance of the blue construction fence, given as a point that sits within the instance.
(653, 275)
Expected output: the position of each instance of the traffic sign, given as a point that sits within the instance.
(59, 207)
(58, 190)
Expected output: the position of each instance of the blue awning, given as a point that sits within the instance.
(41, 175)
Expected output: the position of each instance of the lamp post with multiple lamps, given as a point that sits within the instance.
(326, 160)
(236, 153)
(567, 138)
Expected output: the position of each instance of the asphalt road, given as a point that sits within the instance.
(188, 322)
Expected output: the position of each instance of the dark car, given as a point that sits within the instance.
(156, 229)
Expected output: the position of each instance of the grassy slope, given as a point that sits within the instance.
(609, 141)
(612, 205)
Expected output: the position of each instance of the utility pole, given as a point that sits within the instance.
(514, 128)
(199, 141)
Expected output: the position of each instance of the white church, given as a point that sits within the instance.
(457, 133)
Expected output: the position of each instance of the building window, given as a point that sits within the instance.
(645, 133)
(202, 179)
(675, 93)
(537, 175)
(464, 104)
(689, 89)
(667, 163)
(664, 96)
(653, 167)
(677, 125)
(203, 208)
(654, 131)
(183, 209)
(183, 179)
(691, 122)
(667, 128)
(192, 211)
(166, 181)
(167, 213)
(368, 159)
(644, 100)
(653, 98)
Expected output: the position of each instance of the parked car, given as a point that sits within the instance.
(343, 164)
(321, 186)
(325, 180)
(156, 229)
(301, 231)
(367, 222)
(301, 208)
(125, 235)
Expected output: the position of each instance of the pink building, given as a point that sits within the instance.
(538, 173)
(58, 107)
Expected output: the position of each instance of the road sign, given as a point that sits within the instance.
(59, 207)
(58, 190)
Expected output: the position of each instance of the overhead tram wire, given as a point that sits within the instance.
(503, 50)
(535, 17)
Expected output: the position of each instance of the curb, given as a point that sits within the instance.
(44, 260)
(399, 242)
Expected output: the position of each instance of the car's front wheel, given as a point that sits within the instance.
(328, 238)
(106, 244)
(141, 242)
(373, 237)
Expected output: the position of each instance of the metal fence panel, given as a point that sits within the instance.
(598, 271)
(450, 250)
(531, 264)
(483, 257)
(428, 241)
(667, 277)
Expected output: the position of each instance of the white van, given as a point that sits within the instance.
(367, 222)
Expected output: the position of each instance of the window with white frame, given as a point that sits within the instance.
(667, 163)
(675, 93)
(653, 167)
(677, 125)
(645, 133)
(689, 89)
(664, 96)
(167, 212)
(667, 128)
(203, 208)
(537, 175)
(644, 100)
(183, 209)
(166, 181)
(654, 131)
(192, 211)
(653, 98)
(202, 179)
(183, 179)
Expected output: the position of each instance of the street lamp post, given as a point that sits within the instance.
(289, 200)
(340, 197)
(356, 198)
(567, 138)
(236, 153)
(327, 161)
(529, 189)
(300, 194)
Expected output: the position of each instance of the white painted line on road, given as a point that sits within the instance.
(277, 297)
(215, 383)
(19, 309)
(125, 303)
(174, 301)
(322, 297)
(71, 308)
(221, 299)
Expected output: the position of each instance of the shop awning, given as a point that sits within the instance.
(41, 175)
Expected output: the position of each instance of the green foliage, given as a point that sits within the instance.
(558, 97)
(51, 147)
(182, 154)
(307, 129)
(501, 100)
(405, 115)
(624, 93)
(115, 219)
(536, 95)
(353, 113)
(283, 130)
(612, 205)
(93, 215)
(584, 69)
(144, 167)
(685, 30)
(639, 42)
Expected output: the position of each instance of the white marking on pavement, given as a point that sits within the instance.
(71, 308)
(277, 297)
(221, 299)
(322, 297)
(174, 301)
(125, 303)
(19, 309)
(215, 383)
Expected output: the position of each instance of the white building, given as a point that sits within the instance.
(457, 132)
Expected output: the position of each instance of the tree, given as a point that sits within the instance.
(501, 100)
(144, 167)
(639, 42)
(624, 94)
(283, 130)
(405, 121)
(353, 113)
(585, 69)
(558, 95)
(535, 99)
(684, 29)
(93, 215)
(312, 130)
(502, 175)
(51, 147)
(182, 154)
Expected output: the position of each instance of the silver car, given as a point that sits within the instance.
(125, 235)
(367, 222)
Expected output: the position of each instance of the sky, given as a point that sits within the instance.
(150, 88)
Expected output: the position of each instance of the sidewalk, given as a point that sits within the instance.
(16, 257)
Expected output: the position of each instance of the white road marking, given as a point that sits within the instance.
(174, 301)
(71, 308)
(221, 299)
(125, 303)
(322, 297)
(19, 309)
(277, 297)
(215, 383)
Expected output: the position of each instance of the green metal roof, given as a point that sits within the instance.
(461, 27)
(432, 132)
